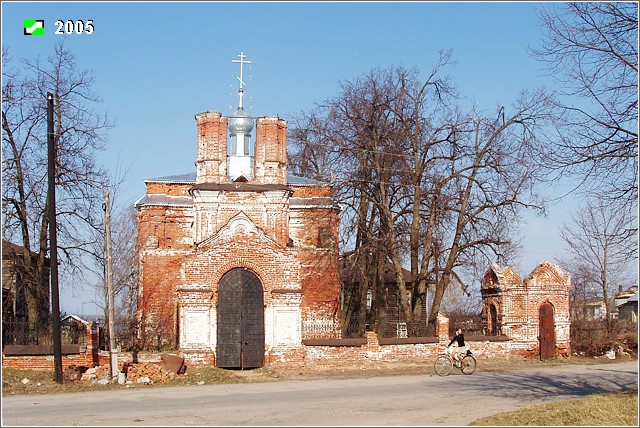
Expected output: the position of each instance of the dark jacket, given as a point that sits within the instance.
(459, 338)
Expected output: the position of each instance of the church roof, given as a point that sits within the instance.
(295, 180)
(190, 177)
(165, 200)
(317, 202)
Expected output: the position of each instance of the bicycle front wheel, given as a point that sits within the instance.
(468, 365)
(443, 365)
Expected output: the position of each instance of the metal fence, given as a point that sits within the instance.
(471, 324)
(19, 332)
(16, 332)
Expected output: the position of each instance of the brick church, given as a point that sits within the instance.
(238, 261)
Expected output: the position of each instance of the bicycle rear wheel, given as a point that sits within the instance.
(443, 365)
(468, 365)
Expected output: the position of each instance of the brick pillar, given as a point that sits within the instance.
(211, 152)
(442, 328)
(271, 151)
(372, 339)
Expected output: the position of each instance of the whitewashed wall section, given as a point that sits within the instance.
(197, 319)
(283, 319)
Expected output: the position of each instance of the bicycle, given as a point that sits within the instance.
(444, 364)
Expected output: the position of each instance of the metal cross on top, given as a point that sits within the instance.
(241, 61)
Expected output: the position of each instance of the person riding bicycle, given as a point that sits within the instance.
(459, 352)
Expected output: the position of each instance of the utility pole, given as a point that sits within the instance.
(53, 243)
(113, 351)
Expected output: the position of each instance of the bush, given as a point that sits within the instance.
(591, 338)
(627, 335)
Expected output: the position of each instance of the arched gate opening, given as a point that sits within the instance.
(240, 340)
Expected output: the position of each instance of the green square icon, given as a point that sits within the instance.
(34, 27)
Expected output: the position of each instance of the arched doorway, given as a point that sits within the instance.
(547, 331)
(494, 329)
(240, 341)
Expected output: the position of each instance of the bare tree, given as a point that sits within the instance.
(602, 241)
(582, 286)
(125, 271)
(77, 136)
(425, 185)
(592, 49)
(125, 262)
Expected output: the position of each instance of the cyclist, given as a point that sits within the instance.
(459, 352)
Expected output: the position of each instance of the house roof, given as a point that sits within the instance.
(627, 293)
(76, 318)
(189, 177)
(9, 248)
(632, 299)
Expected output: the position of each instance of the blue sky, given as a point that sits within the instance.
(157, 64)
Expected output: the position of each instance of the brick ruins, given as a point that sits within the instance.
(225, 219)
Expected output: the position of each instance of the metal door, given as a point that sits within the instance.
(493, 327)
(240, 320)
(547, 332)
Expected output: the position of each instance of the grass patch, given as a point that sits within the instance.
(612, 409)
(41, 381)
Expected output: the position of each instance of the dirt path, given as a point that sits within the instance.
(334, 400)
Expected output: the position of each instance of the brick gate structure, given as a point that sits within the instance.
(240, 211)
(533, 313)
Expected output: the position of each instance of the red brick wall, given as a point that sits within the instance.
(89, 358)
(157, 306)
(164, 239)
(169, 228)
(170, 189)
(311, 191)
(372, 351)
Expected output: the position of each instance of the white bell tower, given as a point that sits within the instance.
(240, 150)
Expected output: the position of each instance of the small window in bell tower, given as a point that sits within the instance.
(233, 144)
(247, 145)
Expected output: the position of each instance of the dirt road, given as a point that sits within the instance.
(408, 400)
